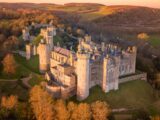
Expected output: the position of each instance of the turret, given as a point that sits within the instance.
(28, 51)
(82, 69)
(88, 38)
(44, 57)
(134, 52)
(34, 50)
(103, 46)
(25, 34)
(110, 73)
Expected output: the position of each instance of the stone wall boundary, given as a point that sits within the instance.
(141, 76)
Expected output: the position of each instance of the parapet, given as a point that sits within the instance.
(83, 55)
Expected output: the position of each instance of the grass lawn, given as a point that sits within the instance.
(13, 88)
(32, 64)
(135, 95)
(155, 40)
(36, 79)
(24, 68)
(20, 71)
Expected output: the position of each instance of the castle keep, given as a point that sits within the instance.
(74, 73)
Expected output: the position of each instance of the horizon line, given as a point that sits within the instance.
(77, 3)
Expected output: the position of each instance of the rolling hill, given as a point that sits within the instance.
(116, 18)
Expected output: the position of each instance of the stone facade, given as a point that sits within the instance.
(26, 34)
(31, 50)
(48, 34)
(44, 55)
(74, 73)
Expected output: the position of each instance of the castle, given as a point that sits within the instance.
(74, 73)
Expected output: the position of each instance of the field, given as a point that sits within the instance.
(131, 95)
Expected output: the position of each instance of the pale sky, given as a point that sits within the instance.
(149, 3)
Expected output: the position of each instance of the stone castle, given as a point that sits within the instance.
(74, 73)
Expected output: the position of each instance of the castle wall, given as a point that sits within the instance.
(128, 62)
(96, 71)
(59, 58)
(67, 92)
(110, 74)
(142, 76)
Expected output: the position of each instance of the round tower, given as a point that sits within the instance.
(44, 57)
(28, 51)
(82, 75)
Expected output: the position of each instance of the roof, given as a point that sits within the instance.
(62, 51)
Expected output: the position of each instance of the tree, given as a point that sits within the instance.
(71, 108)
(8, 107)
(9, 64)
(37, 40)
(83, 112)
(61, 110)
(10, 102)
(143, 36)
(41, 103)
(11, 43)
(100, 110)
(155, 118)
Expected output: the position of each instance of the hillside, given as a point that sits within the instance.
(130, 15)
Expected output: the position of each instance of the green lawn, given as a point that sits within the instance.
(155, 40)
(13, 88)
(32, 64)
(24, 68)
(20, 71)
(135, 94)
(36, 79)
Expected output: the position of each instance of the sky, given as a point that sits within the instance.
(148, 3)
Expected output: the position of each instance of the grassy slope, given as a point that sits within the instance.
(135, 94)
(13, 88)
(32, 64)
(155, 40)
(24, 68)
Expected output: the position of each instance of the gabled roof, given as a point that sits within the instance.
(62, 51)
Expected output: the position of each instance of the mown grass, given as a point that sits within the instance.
(32, 64)
(155, 40)
(132, 95)
(13, 88)
(24, 68)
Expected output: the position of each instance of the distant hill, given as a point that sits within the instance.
(115, 17)
(130, 15)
